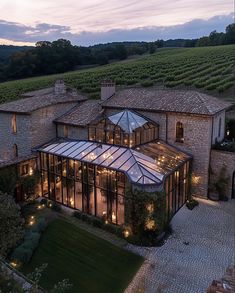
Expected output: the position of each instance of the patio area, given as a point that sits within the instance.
(200, 249)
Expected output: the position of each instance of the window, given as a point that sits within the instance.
(15, 150)
(24, 169)
(219, 130)
(66, 130)
(179, 132)
(13, 124)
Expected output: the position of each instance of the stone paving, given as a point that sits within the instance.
(200, 249)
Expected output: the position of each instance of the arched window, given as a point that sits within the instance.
(219, 130)
(15, 150)
(179, 132)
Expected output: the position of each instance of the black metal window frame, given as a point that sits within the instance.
(85, 181)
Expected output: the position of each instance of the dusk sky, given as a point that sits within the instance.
(87, 22)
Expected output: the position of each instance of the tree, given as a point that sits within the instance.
(121, 51)
(8, 179)
(230, 34)
(11, 224)
(159, 43)
(152, 48)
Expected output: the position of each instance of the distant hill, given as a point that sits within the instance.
(207, 69)
(6, 51)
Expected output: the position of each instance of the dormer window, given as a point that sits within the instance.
(179, 132)
(13, 124)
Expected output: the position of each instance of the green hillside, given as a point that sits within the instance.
(208, 69)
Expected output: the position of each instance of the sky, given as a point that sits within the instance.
(88, 22)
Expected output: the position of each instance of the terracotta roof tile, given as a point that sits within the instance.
(81, 114)
(40, 99)
(166, 100)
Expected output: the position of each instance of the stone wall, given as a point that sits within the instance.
(218, 160)
(43, 129)
(74, 132)
(21, 138)
(32, 130)
(197, 142)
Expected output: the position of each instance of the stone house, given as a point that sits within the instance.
(161, 136)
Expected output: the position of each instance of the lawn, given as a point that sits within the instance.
(90, 263)
(208, 69)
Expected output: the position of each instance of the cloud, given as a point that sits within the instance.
(43, 31)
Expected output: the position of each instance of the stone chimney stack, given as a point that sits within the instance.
(108, 89)
(60, 87)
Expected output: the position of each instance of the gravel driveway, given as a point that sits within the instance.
(200, 249)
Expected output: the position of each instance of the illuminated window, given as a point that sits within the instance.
(24, 169)
(15, 150)
(13, 124)
(179, 132)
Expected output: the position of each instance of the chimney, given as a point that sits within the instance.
(107, 89)
(60, 87)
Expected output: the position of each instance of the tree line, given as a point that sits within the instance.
(61, 56)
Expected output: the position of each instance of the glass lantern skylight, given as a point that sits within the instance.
(127, 121)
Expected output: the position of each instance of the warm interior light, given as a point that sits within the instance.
(30, 171)
(126, 233)
(113, 217)
(13, 264)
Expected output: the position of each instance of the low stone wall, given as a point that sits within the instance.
(218, 160)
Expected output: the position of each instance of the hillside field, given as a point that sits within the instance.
(207, 69)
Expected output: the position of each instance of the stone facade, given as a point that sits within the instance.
(218, 160)
(73, 132)
(32, 130)
(8, 139)
(197, 142)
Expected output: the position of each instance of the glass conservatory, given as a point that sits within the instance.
(92, 176)
(125, 128)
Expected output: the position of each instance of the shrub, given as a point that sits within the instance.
(56, 207)
(147, 83)
(192, 203)
(96, 222)
(131, 81)
(22, 254)
(43, 201)
(77, 214)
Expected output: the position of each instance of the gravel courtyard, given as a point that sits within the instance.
(200, 249)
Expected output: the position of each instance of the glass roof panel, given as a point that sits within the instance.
(97, 153)
(72, 149)
(121, 160)
(86, 151)
(134, 173)
(81, 147)
(127, 120)
(64, 148)
(115, 156)
(55, 147)
(148, 165)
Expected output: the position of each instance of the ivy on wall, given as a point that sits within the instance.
(145, 216)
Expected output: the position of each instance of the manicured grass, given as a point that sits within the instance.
(90, 263)
(208, 69)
